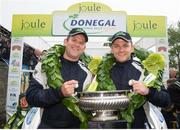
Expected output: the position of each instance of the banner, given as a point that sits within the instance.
(146, 26)
(31, 25)
(96, 24)
(14, 76)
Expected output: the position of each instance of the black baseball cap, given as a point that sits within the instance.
(76, 31)
(122, 35)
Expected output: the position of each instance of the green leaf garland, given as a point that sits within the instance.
(103, 73)
(136, 100)
(51, 65)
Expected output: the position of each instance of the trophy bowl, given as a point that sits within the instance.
(104, 104)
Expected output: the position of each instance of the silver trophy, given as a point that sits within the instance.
(104, 104)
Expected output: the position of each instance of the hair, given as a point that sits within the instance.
(172, 72)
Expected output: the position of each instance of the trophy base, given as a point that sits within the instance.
(121, 124)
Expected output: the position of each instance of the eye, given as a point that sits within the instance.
(115, 46)
(73, 39)
(126, 45)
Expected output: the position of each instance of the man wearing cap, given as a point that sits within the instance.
(75, 75)
(127, 67)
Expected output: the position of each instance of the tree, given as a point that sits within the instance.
(174, 44)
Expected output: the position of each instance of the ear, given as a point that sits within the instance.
(132, 49)
(84, 47)
(65, 42)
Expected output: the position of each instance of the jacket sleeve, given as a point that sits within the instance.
(39, 94)
(159, 98)
(39, 97)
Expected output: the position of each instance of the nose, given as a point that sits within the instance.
(78, 44)
(121, 49)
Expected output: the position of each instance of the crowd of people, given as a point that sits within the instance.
(172, 113)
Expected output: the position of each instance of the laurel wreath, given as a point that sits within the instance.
(137, 100)
(51, 65)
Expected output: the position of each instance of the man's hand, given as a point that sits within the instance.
(138, 87)
(68, 87)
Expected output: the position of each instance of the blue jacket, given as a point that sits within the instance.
(121, 73)
(55, 114)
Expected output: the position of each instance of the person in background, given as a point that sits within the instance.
(174, 91)
(127, 67)
(169, 112)
(38, 53)
(35, 58)
(172, 76)
(30, 56)
(74, 73)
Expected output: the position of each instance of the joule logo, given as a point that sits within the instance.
(149, 25)
(89, 8)
(37, 24)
